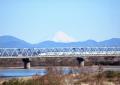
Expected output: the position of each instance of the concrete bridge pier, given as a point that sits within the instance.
(81, 61)
(26, 62)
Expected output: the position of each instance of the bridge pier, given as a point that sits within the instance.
(81, 61)
(26, 62)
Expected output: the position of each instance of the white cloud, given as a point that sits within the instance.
(62, 37)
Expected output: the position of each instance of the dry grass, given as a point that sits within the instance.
(55, 77)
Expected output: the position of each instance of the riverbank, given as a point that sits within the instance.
(61, 61)
(2, 80)
(114, 68)
(87, 74)
(104, 78)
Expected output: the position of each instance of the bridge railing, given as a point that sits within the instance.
(72, 51)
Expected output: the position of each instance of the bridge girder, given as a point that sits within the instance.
(58, 52)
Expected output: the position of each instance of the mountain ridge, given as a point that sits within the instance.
(13, 42)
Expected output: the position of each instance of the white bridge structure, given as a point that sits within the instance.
(82, 52)
(58, 52)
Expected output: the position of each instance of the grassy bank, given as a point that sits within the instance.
(54, 77)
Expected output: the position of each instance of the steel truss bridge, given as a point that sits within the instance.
(58, 52)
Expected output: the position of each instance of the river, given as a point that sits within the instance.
(8, 73)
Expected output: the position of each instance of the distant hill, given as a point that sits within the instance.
(114, 42)
(13, 42)
(111, 42)
(59, 44)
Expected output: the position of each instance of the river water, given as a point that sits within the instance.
(31, 72)
(43, 71)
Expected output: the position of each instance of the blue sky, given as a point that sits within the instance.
(38, 20)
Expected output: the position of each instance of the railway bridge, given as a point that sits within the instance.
(79, 52)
